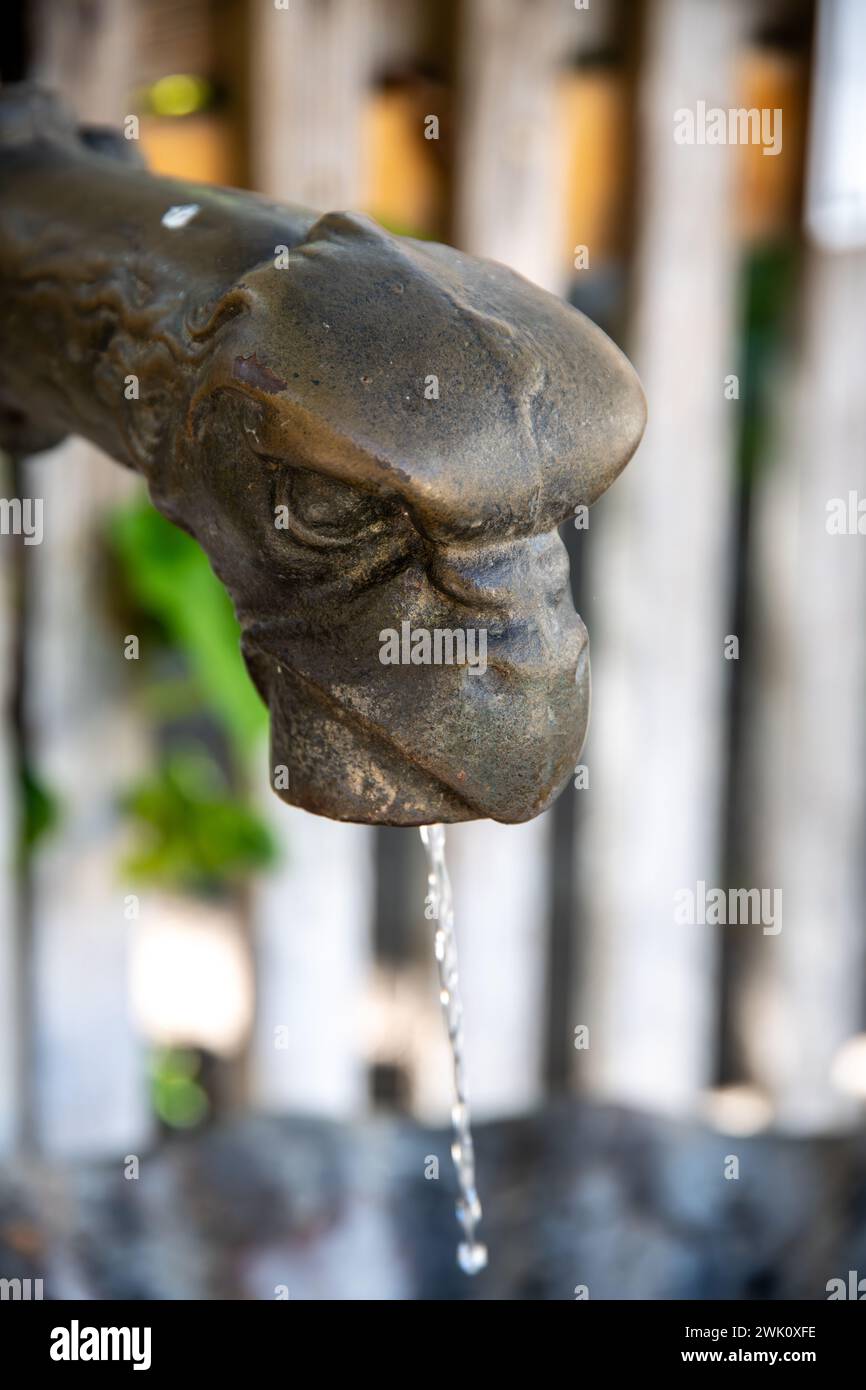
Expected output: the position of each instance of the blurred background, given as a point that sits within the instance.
(241, 997)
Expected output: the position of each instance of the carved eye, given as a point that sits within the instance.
(323, 511)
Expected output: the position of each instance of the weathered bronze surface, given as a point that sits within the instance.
(287, 417)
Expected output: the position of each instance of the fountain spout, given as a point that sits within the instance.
(373, 438)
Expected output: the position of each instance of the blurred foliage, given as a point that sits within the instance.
(176, 94)
(195, 833)
(40, 810)
(169, 577)
(770, 274)
(179, 1099)
(194, 828)
(397, 228)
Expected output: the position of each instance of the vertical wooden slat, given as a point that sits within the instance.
(82, 736)
(310, 67)
(85, 744)
(593, 112)
(659, 569)
(508, 196)
(313, 932)
(11, 1021)
(501, 896)
(806, 992)
(398, 33)
(309, 74)
(804, 995)
(85, 53)
(836, 195)
(508, 205)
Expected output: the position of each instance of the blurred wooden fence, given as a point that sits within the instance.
(567, 921)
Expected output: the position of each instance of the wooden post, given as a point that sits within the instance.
(11, 945)
(86, 54)
(312, 948)
(309, 75)
(509, 205)
(85, 743)
(500, 877)
(313, 917)
(508, 197)
(84, 740)
(805, 995)
(660, 570)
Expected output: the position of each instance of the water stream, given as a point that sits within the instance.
(471, 1253)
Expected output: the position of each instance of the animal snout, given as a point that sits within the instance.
(514, 577)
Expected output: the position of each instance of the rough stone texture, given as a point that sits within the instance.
(308, 386)
(629, 1205)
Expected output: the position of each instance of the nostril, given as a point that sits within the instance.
(480, 579)
(516, 576)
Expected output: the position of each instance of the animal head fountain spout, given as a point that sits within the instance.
(375, 440)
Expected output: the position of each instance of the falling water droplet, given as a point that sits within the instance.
(471, 1253)
(471, 1257)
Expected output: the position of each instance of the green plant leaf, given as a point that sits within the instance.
(169, 576)
(193, 833)
(40, 810)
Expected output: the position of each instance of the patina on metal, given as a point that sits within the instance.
(362, 431)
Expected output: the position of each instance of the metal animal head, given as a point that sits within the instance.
(384, 442)
(375, 440)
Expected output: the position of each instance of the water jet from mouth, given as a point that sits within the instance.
(471, 1253)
